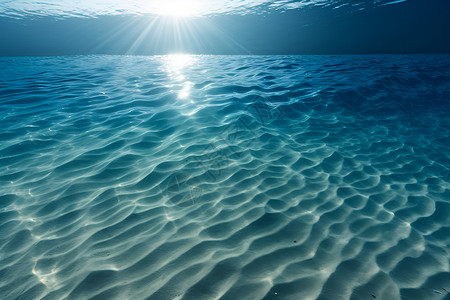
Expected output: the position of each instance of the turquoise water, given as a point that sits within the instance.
(225, 177)
(64, 8)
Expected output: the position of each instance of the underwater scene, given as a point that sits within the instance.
(225, 177)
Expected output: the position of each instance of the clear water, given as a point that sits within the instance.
(225, 177)
(88, 8)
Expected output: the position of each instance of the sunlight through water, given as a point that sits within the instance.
(174, 8)
(175, 65)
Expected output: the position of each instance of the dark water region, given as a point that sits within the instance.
(317, 27)
(225, 177)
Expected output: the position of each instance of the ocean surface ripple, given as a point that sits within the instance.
(92, 9)
(225, 177)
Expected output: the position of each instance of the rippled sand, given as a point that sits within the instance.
(196, 177)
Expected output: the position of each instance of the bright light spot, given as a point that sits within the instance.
(179, 61)
(176, 65)
(184, 93)
(176, 8)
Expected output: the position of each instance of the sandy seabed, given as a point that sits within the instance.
(207, 177)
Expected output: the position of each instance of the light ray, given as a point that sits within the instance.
(141, 37)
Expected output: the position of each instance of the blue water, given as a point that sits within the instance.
(225, 177)
(223, 27)
(64, 8)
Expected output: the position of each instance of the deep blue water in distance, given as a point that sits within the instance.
(225, 177)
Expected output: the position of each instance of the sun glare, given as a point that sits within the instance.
(175, 65)
(177, 61)
(176, 8)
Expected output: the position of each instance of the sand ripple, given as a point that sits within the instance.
(225, 178)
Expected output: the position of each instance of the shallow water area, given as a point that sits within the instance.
(225, 177)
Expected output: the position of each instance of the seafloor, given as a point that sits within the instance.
(225, 177)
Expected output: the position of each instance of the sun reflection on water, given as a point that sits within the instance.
(176, 62)
(175, 65)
